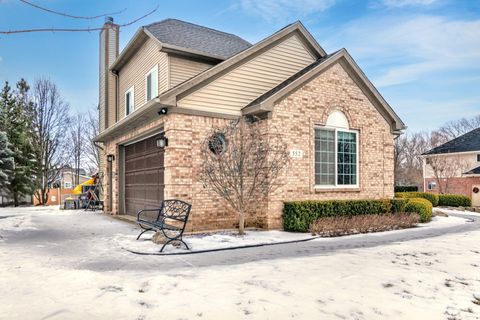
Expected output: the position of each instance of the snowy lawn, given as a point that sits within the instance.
(73, 265)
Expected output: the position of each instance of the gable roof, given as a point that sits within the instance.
(266, 101)
(287, 81)
(169, 97)
(186, 35)
(470, 141)
(473, 171)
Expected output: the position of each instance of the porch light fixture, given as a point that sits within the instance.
(110, 158)
(162, 142)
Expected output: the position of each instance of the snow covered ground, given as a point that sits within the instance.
(73, 265)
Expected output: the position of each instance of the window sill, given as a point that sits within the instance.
(318, 189)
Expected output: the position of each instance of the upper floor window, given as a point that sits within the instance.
(151, 84)
(67, 185)
(336, 153)
(431, 185)
(129, 101)
(478, 157)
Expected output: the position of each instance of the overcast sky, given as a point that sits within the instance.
(423, 55)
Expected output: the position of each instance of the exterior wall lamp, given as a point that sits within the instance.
(162, 142)
(110, 158)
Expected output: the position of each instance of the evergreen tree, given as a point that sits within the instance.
(16, 122)
(6, 161)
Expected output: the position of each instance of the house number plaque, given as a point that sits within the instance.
(297, 154)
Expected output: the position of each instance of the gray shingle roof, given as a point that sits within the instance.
(470, 141)
(194, 37)
(474, 171)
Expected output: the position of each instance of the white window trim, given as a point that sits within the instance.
(132, 93)
(65, 185)
(429, 183)
(357, 171)
(155, 68)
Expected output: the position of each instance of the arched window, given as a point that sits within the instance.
(336, 153)
(337, 119)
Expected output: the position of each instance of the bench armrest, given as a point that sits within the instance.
(145, 210)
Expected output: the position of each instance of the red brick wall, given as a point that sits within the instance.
(296, 116)
(455, 185)
(53, 196)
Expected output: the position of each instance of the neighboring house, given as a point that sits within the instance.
(67, 179)
(454, 167)
(174, 81)
(63, 186)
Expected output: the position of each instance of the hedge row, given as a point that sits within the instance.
(300, 215)
(433, 198)
(421, 206)
(406, 188)
(454, 200)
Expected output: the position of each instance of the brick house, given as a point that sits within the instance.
(454, 167)
(63, 186)
(174, 81)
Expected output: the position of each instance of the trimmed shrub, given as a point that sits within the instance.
(339, 226)
(433, 198)
(398, 205)
(454, 200)
(421, 206)
(406, 188)
(299, 215)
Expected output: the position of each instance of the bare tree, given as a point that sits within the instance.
(50, 125)
(408, 158)
(241, 163)
(446, 167)
(92, 150)
(77, 144)
(399, 149)
(456, 128)
(410, 147)
(89, 29)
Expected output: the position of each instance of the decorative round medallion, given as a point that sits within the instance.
(217, 143)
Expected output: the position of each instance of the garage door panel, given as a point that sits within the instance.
(153, 161)
(151, 177)
(144, 175)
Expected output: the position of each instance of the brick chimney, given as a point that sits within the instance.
(108, 53)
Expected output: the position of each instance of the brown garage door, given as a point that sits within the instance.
(144, 175)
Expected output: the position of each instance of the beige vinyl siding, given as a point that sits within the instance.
(134, 72)
(182, 69)
(231, 92)
(163, 74)
(460, 163)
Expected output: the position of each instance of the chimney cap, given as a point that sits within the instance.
(109, 20)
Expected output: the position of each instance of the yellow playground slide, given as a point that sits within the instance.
(78, 189)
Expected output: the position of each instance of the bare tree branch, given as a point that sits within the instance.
(76, 30)
(51, 123)
(241, 163)
(69, 15)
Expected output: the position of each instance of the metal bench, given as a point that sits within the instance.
(171, 219)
